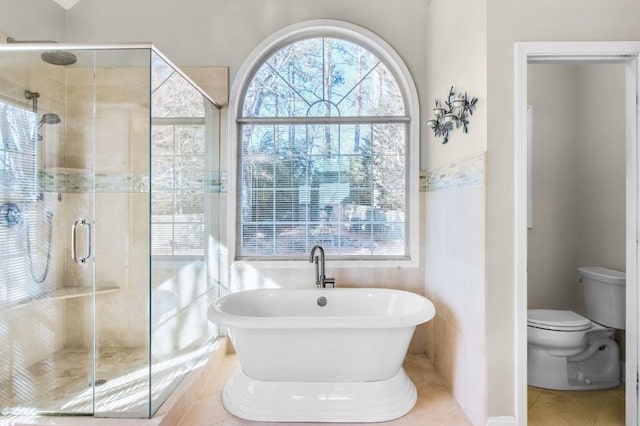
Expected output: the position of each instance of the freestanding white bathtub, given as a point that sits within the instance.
(320, 355)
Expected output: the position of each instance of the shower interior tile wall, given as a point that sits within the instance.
(121, 231)
(22, 344)
(121, 228)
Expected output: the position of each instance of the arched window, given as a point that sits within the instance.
(326, 128)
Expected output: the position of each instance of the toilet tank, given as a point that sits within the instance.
(604, 296)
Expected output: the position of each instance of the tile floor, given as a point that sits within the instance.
(61, 382)
(569, 408)
(435, 406)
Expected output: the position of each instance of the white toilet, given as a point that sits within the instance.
(567, 351)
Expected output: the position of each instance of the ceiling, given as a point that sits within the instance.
(67, 4)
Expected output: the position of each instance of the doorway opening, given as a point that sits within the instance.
(545, 233)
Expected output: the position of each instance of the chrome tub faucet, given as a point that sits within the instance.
(321, 280)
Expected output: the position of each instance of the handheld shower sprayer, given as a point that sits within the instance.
(49, 118)
(12, 216)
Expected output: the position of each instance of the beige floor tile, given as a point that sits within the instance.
(234, 421)
(207, 411)
(618, 392)
(423, 373)
(612, 411)
(435, 407)
(569, 408)
(565, 408)
(532, 395)
(215, 384)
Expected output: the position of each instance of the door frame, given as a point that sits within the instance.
(627, 53)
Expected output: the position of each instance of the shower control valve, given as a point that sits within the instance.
(11, 215)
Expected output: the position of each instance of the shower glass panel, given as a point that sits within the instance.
(122, 136)
(108, 229)
(184, 225)
(46, 190)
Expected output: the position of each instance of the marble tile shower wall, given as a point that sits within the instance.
(455, 279)
(21, 343)
(120, 155)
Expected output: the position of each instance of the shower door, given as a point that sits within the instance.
(122, 199)
(47, 199)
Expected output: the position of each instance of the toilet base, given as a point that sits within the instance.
(595, 385)
(601, 370)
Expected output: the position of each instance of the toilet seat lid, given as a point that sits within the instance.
(552, 319)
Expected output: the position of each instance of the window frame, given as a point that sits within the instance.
(208, 124)
(380, 48)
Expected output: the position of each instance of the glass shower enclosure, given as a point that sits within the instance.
(109, 160)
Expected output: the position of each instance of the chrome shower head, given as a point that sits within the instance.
(59, 57)
(53, 57)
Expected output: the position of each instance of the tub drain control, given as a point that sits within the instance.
(322, 301)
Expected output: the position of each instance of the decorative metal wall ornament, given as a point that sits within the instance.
(455, 110)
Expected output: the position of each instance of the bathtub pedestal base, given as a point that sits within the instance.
(264, 401)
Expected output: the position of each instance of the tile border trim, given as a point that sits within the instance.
(461, 174)
(80, 181)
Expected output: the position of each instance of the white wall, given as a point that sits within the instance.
(603, 166)
(456, 56)
(455, 212)
(579, 180)
(552, 246)
(507, 23)
(32, 19)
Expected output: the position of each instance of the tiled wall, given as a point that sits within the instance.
(24, 343)
(455, 279)
(121, 230)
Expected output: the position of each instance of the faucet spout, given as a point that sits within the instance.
(321, 279)
(319, 261)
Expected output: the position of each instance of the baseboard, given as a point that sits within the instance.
(501, 421)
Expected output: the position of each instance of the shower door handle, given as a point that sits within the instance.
(74, 231)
